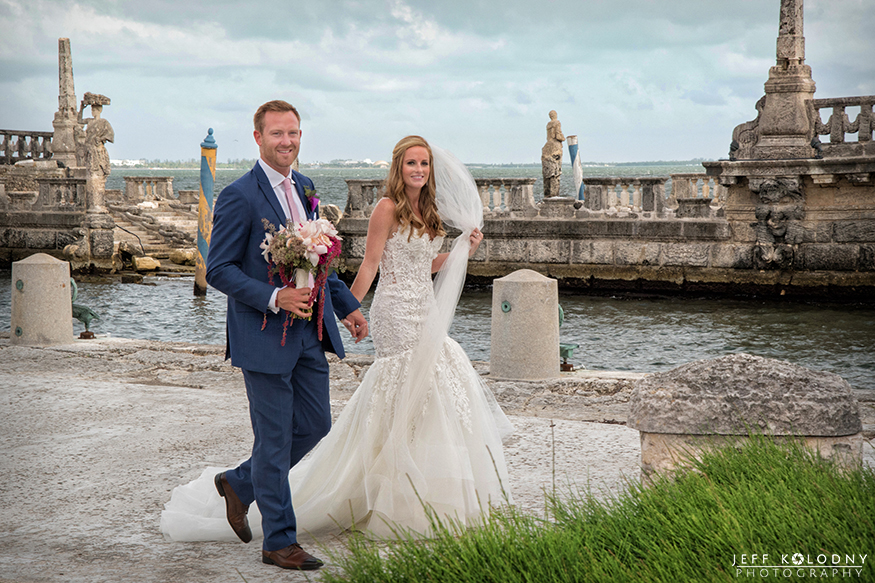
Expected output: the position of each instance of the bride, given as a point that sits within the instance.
(422, 430)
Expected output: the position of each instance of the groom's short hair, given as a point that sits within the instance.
(277, 105)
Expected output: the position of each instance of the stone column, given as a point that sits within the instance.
(785, 127)
(133, 189)
(525, 327)
(66, 121)
(42, 311)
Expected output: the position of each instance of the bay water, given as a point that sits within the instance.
(613, 332)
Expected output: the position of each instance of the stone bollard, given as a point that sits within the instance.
(525, 327)
(42, 311)
(709, 403)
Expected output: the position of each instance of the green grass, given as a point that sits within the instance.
(759, 497)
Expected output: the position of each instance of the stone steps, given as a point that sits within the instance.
(153, 242)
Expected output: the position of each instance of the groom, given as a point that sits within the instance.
(287, 386)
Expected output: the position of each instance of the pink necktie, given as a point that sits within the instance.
(296, 216)
(293, 209)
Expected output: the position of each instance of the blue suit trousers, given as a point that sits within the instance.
(290, 413)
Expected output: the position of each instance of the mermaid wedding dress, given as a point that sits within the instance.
(389, 454)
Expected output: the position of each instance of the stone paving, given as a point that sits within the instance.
(94, 435)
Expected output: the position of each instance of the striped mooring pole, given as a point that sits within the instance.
(205, 212)
(576, 168)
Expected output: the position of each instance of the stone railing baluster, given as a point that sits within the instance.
(16, 146)
(839, 126)
(140, 188)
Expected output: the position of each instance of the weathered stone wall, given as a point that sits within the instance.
(716, 254)
(42, 211)
(812, 219)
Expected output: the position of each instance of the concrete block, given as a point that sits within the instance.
(603, 252)
(699, 405)
(686, 254)
(732, 256)
(862, 231)
(636, 253)
(507, 250)
(660, 229)
(705, 230)
(551, 251)
(581, 252)
(525, 327)
(867, 257)
(829, 256)
(41, 301)
(41, 239)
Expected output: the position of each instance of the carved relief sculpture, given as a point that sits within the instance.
(551, 157)
(778, 230)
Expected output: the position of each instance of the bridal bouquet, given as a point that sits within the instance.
(297, 252)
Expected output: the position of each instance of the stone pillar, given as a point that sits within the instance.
(134, 189)
(66, 121)
(520, 195)
(101, 236)
(653, 195)
(525, 327)
(41, 302)
(785, 127)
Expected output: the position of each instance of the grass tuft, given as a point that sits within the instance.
(756, 497)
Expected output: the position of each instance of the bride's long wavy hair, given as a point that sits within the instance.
(394, 191)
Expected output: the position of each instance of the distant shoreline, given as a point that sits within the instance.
(354, 166)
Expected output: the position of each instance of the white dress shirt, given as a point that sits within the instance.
(276, 182)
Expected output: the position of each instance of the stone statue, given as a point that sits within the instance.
(551, 157)
(98, 131)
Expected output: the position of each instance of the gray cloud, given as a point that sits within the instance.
(635, 79)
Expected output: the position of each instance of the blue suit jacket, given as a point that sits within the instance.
(236, 267)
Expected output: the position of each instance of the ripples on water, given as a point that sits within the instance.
(632, 334)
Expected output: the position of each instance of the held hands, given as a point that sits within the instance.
(294, 300)
(476, 238)
(357, 325)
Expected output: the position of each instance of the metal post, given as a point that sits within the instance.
(205, 212)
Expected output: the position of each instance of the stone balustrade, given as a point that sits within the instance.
(839, 125)
(696, 185)
(140, 188)
(16, 146)
(361, 197)
(506, 195)
(624, 194)
(499, 195)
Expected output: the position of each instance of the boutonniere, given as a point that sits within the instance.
(312, 197)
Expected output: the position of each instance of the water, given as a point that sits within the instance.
(614, 333)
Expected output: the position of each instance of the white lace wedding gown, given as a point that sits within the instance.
(377, 467)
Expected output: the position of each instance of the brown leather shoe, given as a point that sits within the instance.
(291, 557)
(235, 510)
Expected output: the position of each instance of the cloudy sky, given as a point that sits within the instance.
(634, 79)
